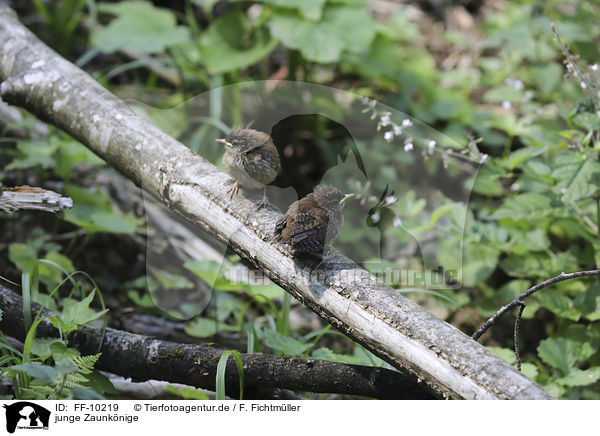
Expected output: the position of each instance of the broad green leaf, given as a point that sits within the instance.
(327, 354)
(588, 303)
(93, 219)
(79, 312)
(187, 393)
(558, 304)
(285, 344)
(341, 28)
(311, 9)
(530, 205)
(138, 26)
(574, 174)
(169, 280)
(558, 353)
(40, 347)
(222, 49)
(516, 158)
(44, 373)
(547, 77)
(204, 328)
(505, 354)
(80, 393)
(24, 256)
(34, 154)
(578, 377)
(318, 42)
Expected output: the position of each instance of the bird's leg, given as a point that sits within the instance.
(233, 190)
(263, 202)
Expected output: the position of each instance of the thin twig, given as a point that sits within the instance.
(517, 323)
(518, 300)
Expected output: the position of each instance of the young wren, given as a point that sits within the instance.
(312, 223)
(251, 159)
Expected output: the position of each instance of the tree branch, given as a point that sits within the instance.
(144, 358)
(346, 296)
(28, 198)
(518, 301)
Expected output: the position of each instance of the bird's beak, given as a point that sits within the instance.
(346, 197)
(227, 144)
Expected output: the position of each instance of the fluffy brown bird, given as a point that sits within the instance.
(311, 223)
(251, 159)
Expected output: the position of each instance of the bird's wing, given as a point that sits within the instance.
(308, 230)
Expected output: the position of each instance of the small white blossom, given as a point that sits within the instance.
(508, 81)
(408, 146)
(518, 85)
(484, 158)
(388, 136)
(515, 186)
(375, 217)
(390, 199)
(506, 104)
(397, 222)
(397, 130)
(569, 67)
(527, 96)
(583, 85)
(406, 123)
(430, 145)
(385, 120)
(594, 67)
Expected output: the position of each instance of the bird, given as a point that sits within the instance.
(251, 159)
(312, 223)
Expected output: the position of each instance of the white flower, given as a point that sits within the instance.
(569, 67)
(397, 222)
(594, 67)
(515, 186)
(388, 136)
(506, 104)
(408, 146)
(527, 96)
(508, 81)
(390, 199)
(484, 158)
(518, 85)
(385, 120)
(406, 122)
(430, 145)
(583, 85)
(397, 130)
(375, 217)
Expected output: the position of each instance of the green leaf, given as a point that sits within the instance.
(558, 304)
(44, 373)
(79, 312)
(221, 47)
(558, 353)
(516, 158)
(187, 393)
(547, 77)
(574, 174)
(221, 367)
(85, 394)
(327, 354)
(287, 345)
(341, 28)
(578, 377)
(530, 205)
(588, 303)
(93, 219)
(204, 328)
(140, 27)
(311, 9)
(34, 154)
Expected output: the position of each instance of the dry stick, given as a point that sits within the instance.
(516, 334)
(345, 295)
(146, 358)
(519, 300)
